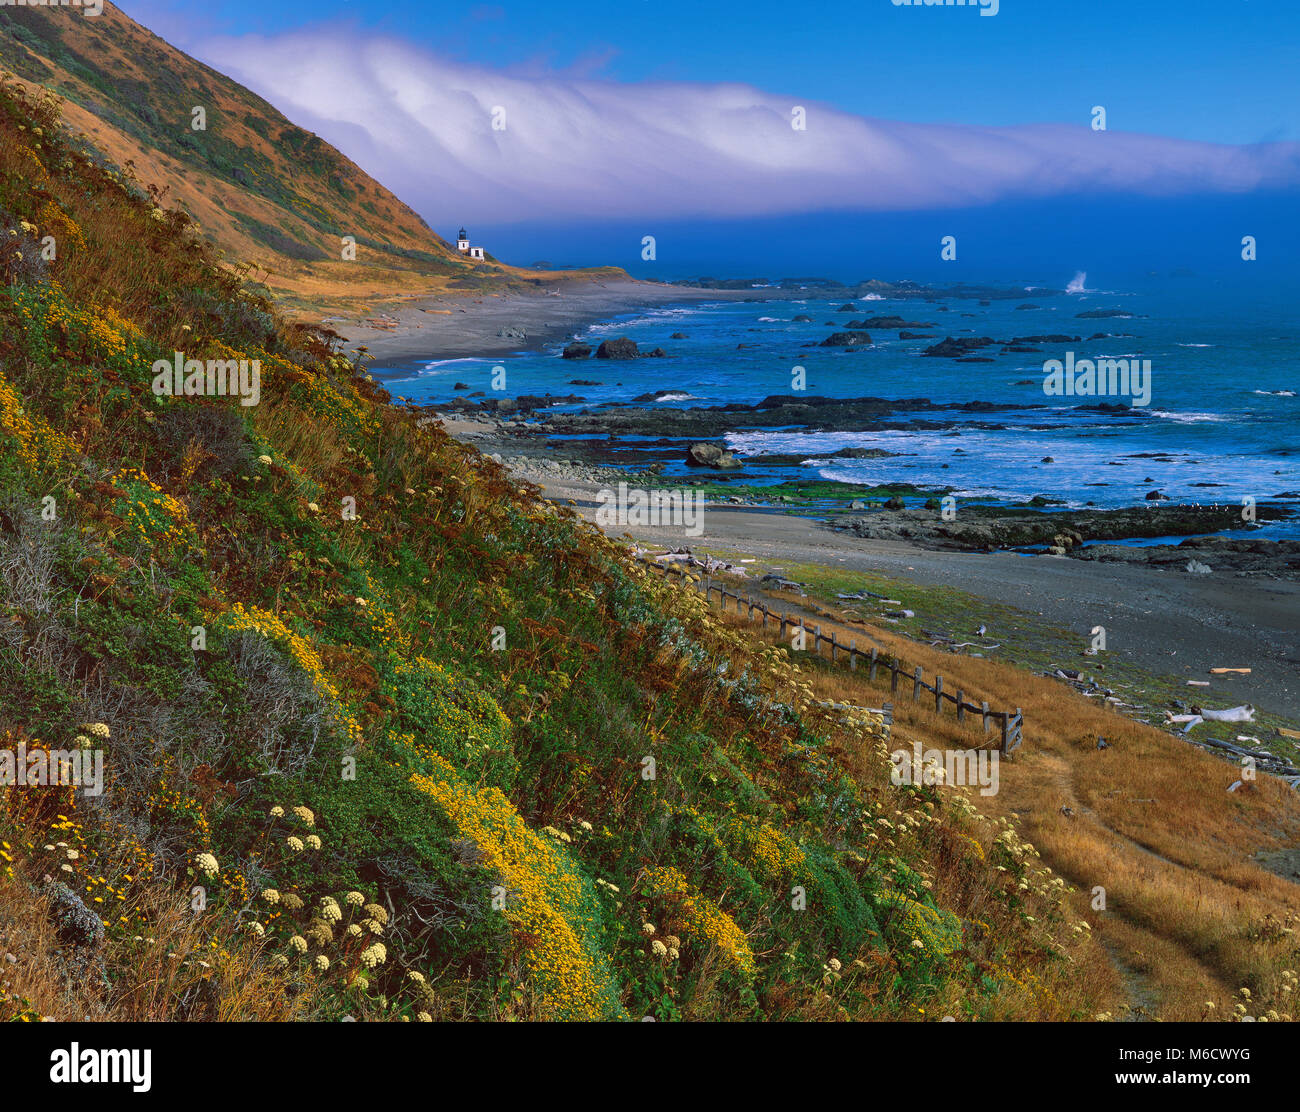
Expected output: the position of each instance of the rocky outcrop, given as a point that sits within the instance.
(957, 348)
(711, 455)
(863, 453)
(847, 339)
(976, 530)
(576, 350)
(525, 403)
(890, 323)
(1217, 555)
(622, 348)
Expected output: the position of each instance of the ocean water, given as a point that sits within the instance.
(1223, 420)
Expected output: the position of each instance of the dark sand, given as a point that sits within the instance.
(467, 326)
(1165, 622)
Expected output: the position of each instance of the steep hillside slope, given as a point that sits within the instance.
(265, 191)
(387, 736)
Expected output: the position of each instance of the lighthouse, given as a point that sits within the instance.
(464, 247)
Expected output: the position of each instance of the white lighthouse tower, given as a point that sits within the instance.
(463, 245)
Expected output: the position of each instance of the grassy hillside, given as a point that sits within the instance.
(452, 757)
(269, 194)
(1194, 914)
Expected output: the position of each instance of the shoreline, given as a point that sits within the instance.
(1158, 616)
(637, 432)
(467, 326)
(1163, 620)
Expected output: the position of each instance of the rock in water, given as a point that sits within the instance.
(863, 453)
(711, 455)
(622, 348)
(957, 348)
(576, 350)
(847, 339)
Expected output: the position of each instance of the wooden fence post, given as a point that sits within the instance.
(961, 710)
(984, 715)
(916, 684)
(783, 623)
(872, 674)
(853, 654)
(817, 640)
(893, 682)
(938, 694)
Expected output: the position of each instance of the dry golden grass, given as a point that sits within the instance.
(313, 201)
(185, 966)
(1190, 917)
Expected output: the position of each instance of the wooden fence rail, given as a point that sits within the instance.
(1010, 725)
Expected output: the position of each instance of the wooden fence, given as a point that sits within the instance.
(1009, 725)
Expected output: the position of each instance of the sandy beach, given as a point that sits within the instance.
(469, 325)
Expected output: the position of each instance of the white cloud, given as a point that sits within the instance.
(587, 148)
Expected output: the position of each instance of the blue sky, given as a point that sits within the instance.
(1217, 70)
(673, 118)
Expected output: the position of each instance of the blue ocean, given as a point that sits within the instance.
(1222, 424)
